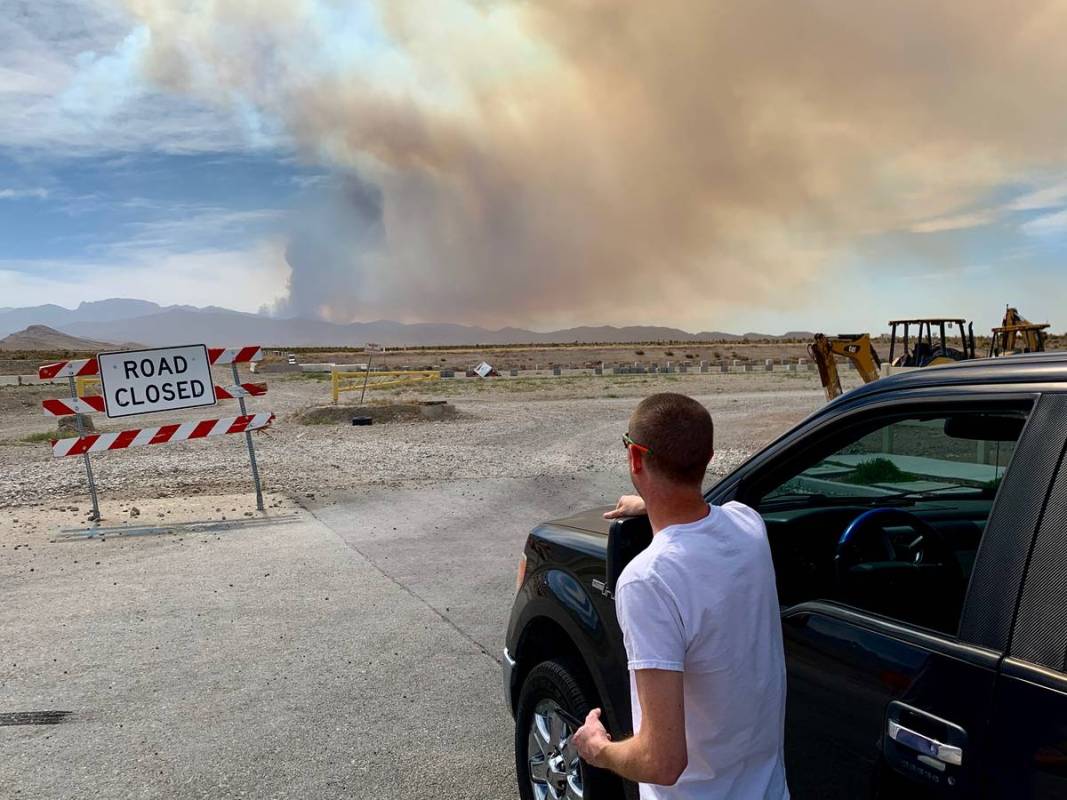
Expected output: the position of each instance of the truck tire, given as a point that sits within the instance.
(544, 757)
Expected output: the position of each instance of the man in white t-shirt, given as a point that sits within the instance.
(700, 621)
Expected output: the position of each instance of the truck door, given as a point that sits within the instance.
(878, 523)
(1028, 728)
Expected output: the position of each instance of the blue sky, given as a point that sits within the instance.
(114, 183)
(111, 188)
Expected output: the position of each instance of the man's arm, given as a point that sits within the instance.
(657, 753)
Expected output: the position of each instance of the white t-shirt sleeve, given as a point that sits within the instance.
(651, 625)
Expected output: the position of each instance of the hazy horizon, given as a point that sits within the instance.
(875, 329)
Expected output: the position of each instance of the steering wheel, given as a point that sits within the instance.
(866, 540)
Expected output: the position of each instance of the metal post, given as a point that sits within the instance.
(366, 378)
(248, 441)
(88, 467)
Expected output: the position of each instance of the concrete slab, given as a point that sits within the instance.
(454, 547)
(258, 662)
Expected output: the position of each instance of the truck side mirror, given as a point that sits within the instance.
(626, 538)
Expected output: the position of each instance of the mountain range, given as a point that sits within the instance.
(41, 337)
(127, 320)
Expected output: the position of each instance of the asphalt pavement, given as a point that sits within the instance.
(349, 649)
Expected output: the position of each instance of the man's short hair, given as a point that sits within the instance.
(679, 432)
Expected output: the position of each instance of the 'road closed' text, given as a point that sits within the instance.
(153, 393)
(165, 379)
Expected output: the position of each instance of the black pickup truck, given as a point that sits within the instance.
(918, 526)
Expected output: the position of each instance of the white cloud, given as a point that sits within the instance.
(189, 227)
(311, 181)
(16, 194)
(1048, 197)
(242, 279)
(1044, 225)
(70, 73)
(974, 219)
(959, 273)
(1052, 196)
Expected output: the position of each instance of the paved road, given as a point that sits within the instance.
(349, 650)
(456, 547)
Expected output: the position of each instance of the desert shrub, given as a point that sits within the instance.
(877, 470)
(46, 436)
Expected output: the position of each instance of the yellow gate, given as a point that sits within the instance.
(83, 382)
(356, 381)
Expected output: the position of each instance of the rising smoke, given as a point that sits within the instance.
(547, 161)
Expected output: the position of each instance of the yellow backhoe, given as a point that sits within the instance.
(1017, 335)
(927, 347)
(856, 347)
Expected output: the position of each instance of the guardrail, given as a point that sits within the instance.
(341, 381)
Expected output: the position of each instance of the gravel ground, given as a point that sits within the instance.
(502, 429)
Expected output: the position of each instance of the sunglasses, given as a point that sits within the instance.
(627, 442)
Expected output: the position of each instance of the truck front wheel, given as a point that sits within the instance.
(546, 760)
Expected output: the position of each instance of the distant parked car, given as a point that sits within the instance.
(917, 526)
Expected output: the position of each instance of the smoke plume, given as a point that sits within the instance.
(504, 161)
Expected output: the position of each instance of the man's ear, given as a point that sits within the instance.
(637, 463)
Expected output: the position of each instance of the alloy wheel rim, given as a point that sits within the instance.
(555, 771)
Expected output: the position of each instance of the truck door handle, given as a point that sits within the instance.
(602, 587)
(925, 745)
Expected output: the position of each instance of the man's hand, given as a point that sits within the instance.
(629, 505)
(657, 752)
(591, 739)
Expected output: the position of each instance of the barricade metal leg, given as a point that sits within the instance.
(248, 441)
(88, 466)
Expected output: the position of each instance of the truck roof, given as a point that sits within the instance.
(1050, 367)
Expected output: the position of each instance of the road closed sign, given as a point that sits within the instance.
(162, 379)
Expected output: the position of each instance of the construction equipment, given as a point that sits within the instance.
(1016, 330)
(929, 346)
(856, 347)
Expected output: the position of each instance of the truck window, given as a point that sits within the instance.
(890, 519)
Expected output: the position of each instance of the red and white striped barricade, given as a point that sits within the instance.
(218, 356)
(165, 379)
(163, 434)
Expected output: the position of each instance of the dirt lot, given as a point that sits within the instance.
(509, 357)
(585, 356)
(566, 356)
(526, 356)
(499, 428)
(346, 642)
